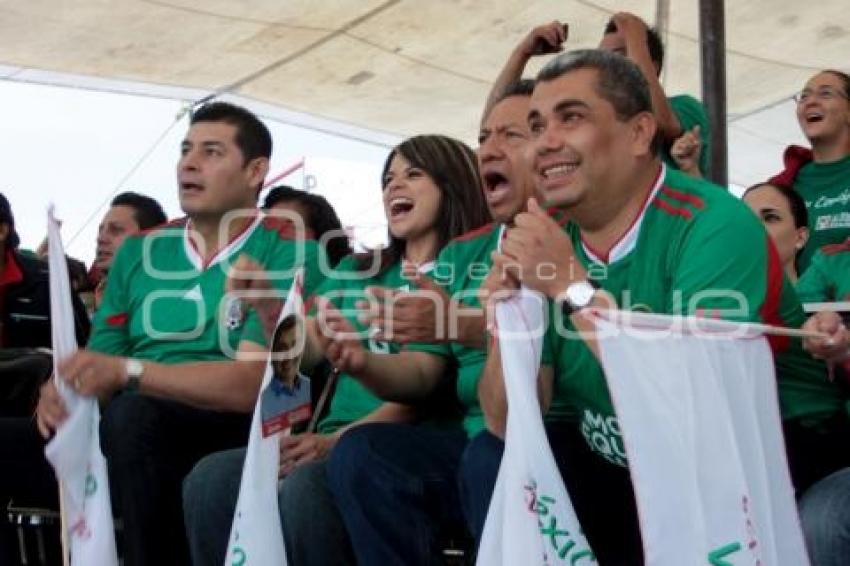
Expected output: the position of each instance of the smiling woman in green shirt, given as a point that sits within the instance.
(431, 194)
(822, 175)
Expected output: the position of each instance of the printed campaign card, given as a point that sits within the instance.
(286, 399)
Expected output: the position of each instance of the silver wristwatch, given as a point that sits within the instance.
(134, 369)
(577, 296)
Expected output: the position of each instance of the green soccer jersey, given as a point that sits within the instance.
(684, 255)
(690, 113)
(461, 268)
(344, 287)
(827, 279)
(163, 303)
(826, 189)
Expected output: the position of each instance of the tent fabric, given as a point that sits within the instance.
(404, 67)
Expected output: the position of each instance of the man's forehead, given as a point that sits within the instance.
(509, 111)
(578, 85)
(119, 213)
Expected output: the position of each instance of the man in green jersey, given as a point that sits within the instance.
(176, 360)
(655, 240)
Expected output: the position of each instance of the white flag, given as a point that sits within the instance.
(531, 520)
(698, 410)
(75, 450)
(256, 535)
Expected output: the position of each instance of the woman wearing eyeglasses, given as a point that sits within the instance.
(822, 174)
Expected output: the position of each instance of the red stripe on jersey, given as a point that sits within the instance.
(308, 304)
(769, 310)
(475, 232)
(832, 249)
(119, 319)
(686, 198)
(285, 228)
(672, 210)
(558, 216)
(603, 256)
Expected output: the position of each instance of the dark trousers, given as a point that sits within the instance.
(26, 478)
(816, 452)
(150, 444)
(396, 488)
(601, 492)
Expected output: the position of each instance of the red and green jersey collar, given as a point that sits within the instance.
(627, 242)
(197, 260)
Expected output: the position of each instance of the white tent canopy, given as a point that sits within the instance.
(377, 70)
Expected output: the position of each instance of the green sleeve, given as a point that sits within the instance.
(690, 112)
(110, 326)
(814, 286)
(713, 274)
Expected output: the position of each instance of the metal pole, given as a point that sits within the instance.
(662, 19)
(712, 31)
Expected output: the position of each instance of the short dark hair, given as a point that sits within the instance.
(321, 218)
(522, 87)
(653, 42)
(454, 168)
(620, 81)
(286, 323)
(252, 136)
(6, 217)
(795, 202)
(146, 211)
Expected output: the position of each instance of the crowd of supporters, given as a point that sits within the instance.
(589, 169)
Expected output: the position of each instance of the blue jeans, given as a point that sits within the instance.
(396, 488)
(601, 492)
(825, 516)
(313, 530)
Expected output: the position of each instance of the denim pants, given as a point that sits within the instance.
(396, 488)
(150, 444)
(313, 530)
(825, 517)
(601, 492)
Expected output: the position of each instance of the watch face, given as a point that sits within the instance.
(580, 293)
(134, 368)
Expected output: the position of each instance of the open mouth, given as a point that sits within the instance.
(400, 207)
(814, 117)
(191, 188)
(495, 182)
